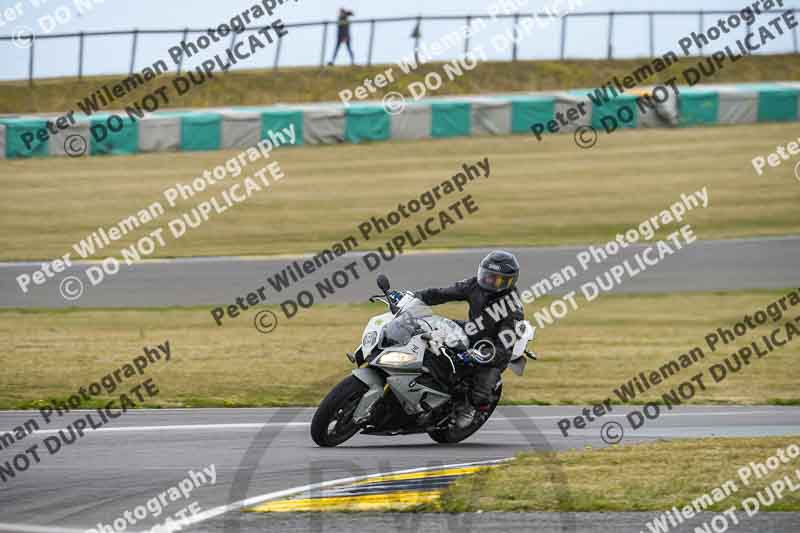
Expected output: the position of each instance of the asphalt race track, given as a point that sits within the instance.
(260, 451)
(702, 266)
(257, 453)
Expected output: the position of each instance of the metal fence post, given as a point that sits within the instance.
(80, 56)
(180, 61)
(277, 53)
(563, 34)
(324, 43)
(30, 60)
(652, 35)
(610, 34)
(371, 41)
(133, 50)
(516, 37)
(700, 30)
(466, 37)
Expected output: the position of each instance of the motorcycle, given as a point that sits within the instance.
(409, 376)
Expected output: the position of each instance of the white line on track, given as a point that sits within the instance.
(176, 427)
(30, 528)
(704, 413)
(258, 425)
(169, 410)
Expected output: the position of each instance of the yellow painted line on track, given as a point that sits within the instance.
(374, 499)
(367, 502)
(422, 475)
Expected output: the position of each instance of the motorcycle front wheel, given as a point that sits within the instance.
(453, 434)
(333, 422)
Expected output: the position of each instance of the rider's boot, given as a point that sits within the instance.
(465, 414)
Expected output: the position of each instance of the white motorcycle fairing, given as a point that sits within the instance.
(402, 362)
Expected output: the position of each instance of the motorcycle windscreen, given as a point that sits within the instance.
(449, 333)
(399, 331)
(411, 321)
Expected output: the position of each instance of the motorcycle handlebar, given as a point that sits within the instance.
(385, 300)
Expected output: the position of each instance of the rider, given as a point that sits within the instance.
(496, 280)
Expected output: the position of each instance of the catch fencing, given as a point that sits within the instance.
(327, 32)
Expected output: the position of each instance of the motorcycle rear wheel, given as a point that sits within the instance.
(453, 434)
(333, 422)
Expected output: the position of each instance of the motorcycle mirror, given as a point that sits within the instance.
(383, 283)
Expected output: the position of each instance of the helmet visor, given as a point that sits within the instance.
(495, 281)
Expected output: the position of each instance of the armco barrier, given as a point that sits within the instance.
(330, 123)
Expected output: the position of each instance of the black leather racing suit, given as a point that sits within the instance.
(479, 300)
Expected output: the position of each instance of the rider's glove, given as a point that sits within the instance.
(395, 296)
(475, 356)
(468, 357)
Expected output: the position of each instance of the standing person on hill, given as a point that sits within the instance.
(343, 34)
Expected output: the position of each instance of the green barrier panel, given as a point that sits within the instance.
(16, 146)
(113, 135)
(621, 112)
(777, 105)
(367, 123)
(278, 120)
(527, 112)
(698, 107)
(451, 119)
(201, 131)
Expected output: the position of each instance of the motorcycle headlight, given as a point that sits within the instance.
(396, 359)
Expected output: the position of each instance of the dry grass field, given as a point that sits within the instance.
(538, 193)
(645, 477)
(583, 357)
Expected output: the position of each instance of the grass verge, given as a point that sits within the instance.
(642, 477)
(584, 357)
(538, 193)
(313, 84)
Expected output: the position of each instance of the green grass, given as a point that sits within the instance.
(583, 357)
(312, 84)
(538, 193)
(642, 477)
(784, 401)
